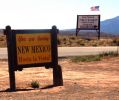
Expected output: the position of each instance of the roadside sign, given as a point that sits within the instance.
(33, 48)
(88, 22)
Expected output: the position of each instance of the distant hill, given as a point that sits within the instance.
(110, 26)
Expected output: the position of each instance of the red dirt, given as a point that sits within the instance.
(97, 80)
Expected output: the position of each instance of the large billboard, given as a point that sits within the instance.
(88, 22)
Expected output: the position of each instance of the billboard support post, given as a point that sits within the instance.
(98, 34)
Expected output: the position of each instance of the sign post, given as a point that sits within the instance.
(57, 71)
(88, 22)
(33, 48)
(10, 58)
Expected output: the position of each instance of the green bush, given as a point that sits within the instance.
(35, 84)
(86, 58)
(112, 54)
(93, 57)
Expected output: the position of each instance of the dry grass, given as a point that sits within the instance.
(3, 41)
(68, 41)
(73, 41)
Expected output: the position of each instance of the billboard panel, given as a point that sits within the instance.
(88, 22)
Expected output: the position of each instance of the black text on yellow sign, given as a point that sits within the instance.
(33, 48)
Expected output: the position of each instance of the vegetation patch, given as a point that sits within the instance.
(109, 54)
(94, 57)
(3, 41)
(35, 84)
(86, 58)
(73, 41)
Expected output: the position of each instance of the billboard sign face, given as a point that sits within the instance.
(88, 22)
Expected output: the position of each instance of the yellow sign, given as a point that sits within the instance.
(33, 48)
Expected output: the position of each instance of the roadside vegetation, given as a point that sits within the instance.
(35, 84)
(3, 41)
(94, 57)
(73, 41)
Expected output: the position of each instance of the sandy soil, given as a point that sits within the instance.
(82, 81)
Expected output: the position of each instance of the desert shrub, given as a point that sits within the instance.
(93, 57)
(112, 54)
(116, 41)
(35, 84)
(73, 37)
(86, 58)
(58, 41)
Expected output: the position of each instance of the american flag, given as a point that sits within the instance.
(95, 8)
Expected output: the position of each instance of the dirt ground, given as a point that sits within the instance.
(97, 80)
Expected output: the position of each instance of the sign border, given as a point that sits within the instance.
(54, 52)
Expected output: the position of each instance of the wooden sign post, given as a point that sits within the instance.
(10, 49)
(33, 48)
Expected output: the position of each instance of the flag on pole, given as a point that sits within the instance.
(95, 8)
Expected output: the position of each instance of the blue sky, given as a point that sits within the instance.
(42, 14)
